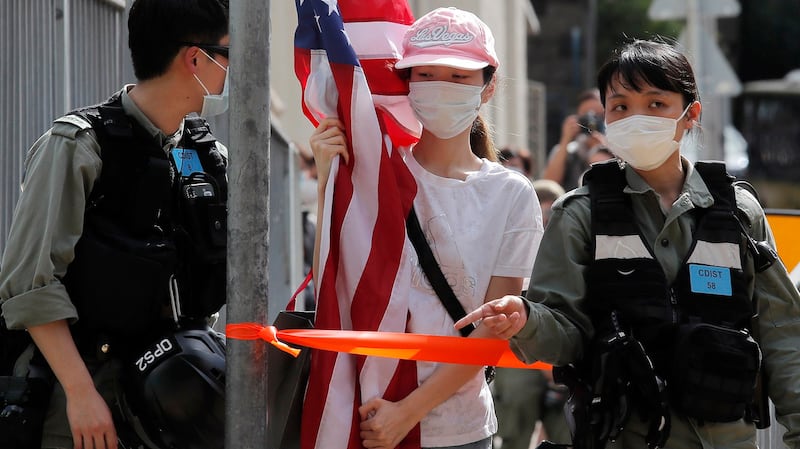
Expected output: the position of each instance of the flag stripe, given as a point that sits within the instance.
(375, 40)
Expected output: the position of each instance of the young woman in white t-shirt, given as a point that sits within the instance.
(481, 220)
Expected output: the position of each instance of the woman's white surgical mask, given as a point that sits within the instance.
(445, 109)
(214, 104)
(643, 141)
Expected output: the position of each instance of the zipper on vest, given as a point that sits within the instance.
(673, 300)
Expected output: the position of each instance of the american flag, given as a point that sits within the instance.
(343, 54)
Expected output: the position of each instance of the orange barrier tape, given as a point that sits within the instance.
(253, 331)
(431, 348)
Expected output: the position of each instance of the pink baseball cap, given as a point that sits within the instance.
(448, 37)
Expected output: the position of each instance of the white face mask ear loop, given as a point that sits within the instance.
(691, 122)
(686, 111)
(201, 84)
(215, 62)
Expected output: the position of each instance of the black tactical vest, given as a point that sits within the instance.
(153, 247)
(695, 330)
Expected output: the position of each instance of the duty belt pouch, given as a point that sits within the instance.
(23, 403)
(714, 372)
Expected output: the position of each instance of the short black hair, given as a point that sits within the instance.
(156, 29)
(656, 63)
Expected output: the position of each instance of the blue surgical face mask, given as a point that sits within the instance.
(214, 104)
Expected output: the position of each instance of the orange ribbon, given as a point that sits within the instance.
(253, 331)
(431, 348)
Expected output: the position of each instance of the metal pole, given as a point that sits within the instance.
(693, 27)
(713, 110)
(248, 221)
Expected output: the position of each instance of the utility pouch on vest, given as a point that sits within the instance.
(204, 220)
(581, 419)
(119, 282)
(204, 216)
(714, 372)
(23, 403)
(614, 381)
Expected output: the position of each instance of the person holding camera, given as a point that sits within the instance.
(581, 142)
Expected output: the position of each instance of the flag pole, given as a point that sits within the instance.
(248, 220)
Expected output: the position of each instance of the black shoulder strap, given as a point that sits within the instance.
(611, 211)
(136, 179)
(719, 183)
(434, 273)
(198, 130)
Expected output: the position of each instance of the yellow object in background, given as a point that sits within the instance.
(785, 226)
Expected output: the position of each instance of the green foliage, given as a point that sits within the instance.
(619, 21)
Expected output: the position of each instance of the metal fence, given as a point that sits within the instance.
(57, 54)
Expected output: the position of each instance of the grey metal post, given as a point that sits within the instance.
(248, 221)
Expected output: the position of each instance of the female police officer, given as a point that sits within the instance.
(655, 260)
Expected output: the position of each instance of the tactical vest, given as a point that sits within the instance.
(695, 330)
(153, 247)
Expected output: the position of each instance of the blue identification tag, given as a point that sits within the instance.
(710, 280)
(187, 161)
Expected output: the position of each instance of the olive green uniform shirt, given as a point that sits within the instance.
(557, 321)
(60, 171)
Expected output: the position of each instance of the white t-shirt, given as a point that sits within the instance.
(489, 224)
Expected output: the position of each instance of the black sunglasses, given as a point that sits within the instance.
(221, 50)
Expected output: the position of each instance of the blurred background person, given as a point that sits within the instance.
(581, 134)
(515, 158)
(548, 191)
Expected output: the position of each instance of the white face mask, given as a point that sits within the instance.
(444, 108)
(214, 104)
(643, 141)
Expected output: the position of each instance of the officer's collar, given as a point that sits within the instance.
(696, 187)
(130, 108)
(693, 184)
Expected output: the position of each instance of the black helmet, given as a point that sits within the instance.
(174, 391)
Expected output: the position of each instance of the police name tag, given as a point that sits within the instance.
(187, 161)
(710, 280)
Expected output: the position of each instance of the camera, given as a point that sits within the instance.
(591, 122)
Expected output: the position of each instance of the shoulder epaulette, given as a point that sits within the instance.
(70, 126)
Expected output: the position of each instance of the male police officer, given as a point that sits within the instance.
(121, 223)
